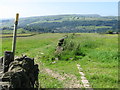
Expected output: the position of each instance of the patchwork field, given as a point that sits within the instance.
(97, 54)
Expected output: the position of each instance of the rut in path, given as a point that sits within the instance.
(69, 81)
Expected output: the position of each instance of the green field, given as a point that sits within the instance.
(20, 30)
(96, 53)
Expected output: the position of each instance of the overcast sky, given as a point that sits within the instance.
(27, 8)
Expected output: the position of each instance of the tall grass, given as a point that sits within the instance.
(71, 49)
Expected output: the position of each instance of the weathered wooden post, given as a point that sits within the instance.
(9, 55)
(15, 35)
(8, 58)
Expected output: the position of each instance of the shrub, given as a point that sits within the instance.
(70, 48)
(109, 32)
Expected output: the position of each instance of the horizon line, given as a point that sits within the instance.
(61, 15)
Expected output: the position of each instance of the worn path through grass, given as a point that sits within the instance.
(67, 80)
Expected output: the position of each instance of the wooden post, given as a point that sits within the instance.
(14, 35)
(8, 58)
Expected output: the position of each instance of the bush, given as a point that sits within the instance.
(70, 48)
(109, 32)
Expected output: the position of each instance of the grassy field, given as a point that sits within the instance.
(20, 30)
(96, 53)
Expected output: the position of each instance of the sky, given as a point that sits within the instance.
(28, 8)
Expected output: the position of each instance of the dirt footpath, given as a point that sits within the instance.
(69, 81)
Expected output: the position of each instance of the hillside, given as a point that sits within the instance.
(64, 23)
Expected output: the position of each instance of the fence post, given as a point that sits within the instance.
(8, 58)
(15, 35)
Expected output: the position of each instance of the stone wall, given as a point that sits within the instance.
(21, 73)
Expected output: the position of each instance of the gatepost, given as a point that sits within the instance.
(9, 55)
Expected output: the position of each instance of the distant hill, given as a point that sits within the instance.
(64, 23)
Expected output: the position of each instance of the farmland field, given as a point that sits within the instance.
(96, 53)
(18, 35)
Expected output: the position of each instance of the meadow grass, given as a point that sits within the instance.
(18, 35)
(96, 53)
(49, 81)
(19, 30)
